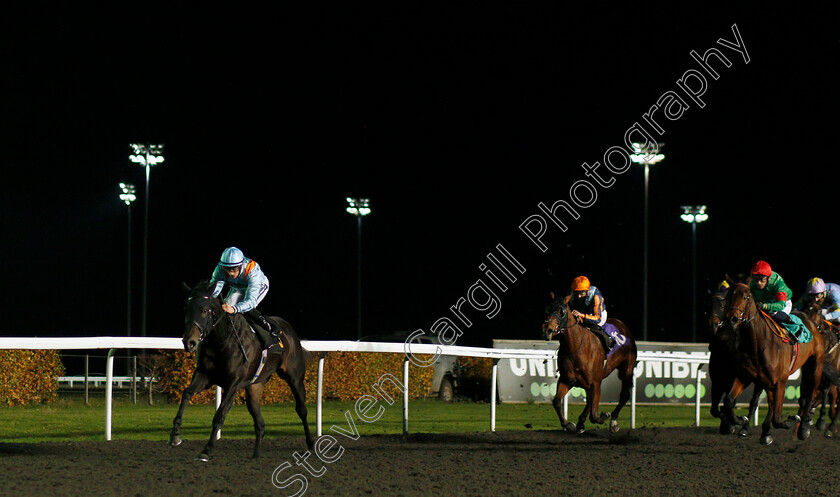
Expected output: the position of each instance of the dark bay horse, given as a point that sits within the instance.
(229, 355)
(580, 363)
(761, 357)
(828, 396)
(722, 364)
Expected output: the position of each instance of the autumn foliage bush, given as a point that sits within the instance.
(29, 376)
(347, 376)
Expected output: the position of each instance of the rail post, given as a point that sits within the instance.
(109, 390)
(319, 404)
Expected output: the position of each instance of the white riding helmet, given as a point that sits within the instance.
(232, 257)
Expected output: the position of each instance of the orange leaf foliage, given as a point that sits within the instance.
(29, 376)
(347, 376)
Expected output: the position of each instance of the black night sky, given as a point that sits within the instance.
(455, 118)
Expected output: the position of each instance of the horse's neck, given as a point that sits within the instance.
(573, 335)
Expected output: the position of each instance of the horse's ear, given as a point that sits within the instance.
(552, 295)
(186, 287)
(728, 278)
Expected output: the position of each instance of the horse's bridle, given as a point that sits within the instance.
(743, 312)
(203, 331)
(561, 328)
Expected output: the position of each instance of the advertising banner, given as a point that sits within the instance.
(668, 381)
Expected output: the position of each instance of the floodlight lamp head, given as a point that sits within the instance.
(647, 153)
(358, 206)
(127, 193)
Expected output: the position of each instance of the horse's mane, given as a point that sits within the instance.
(203, 288)
(554, 305)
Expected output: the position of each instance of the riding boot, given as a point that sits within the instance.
(783, 318)
(606, 339)
(267, 335)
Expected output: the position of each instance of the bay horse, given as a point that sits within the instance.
(722, 364)
(229, 355)
(828, 396)
(581, 363)
(761, 357)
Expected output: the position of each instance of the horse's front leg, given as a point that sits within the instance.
(721, 376)
(745, 428)
(832, 399)
(593, 394)
(775, 398)
(728, 418)
(594, 414)
(557, 402)
(228, 397)
(820, 424)
(198, 383)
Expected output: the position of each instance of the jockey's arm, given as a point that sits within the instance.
(255, 284)
(833, 313)
(598, 311)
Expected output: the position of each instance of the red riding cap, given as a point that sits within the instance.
(761, 268)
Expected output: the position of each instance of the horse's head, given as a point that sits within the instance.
(739, 307)
(716, 315)
(557, 320)
(200, 315)
(813, 310)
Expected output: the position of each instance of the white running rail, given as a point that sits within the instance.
(114, 343)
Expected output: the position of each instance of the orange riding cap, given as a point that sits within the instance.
(580, 284)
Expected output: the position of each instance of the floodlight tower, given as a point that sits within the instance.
(646, 154)
(147, 156)
(358, 207)
(694, 214)
(127, 195)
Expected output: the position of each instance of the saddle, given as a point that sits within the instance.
(784, 331)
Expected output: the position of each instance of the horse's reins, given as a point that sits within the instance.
(563, 328)
(206, 331)
(773, 326)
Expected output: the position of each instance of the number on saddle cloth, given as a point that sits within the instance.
(618, 339)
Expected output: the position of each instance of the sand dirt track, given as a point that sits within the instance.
(656, 462)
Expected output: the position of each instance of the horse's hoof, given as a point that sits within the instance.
(175, 441)
(580, 430)
(828, 434)
(202, 457)
(804, 432)
(614, 426)
(766, 440)
(570, 428)
(743, 433)
(742, 420)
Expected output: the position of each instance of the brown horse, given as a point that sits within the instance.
(761, 357)
(828, 396)
(580, 363)
(229, 355)
(722, 364)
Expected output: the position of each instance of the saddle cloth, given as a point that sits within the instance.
(619, 340)
(796, 329)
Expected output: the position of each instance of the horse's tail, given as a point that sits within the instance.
(307, 355)
(830, 373)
